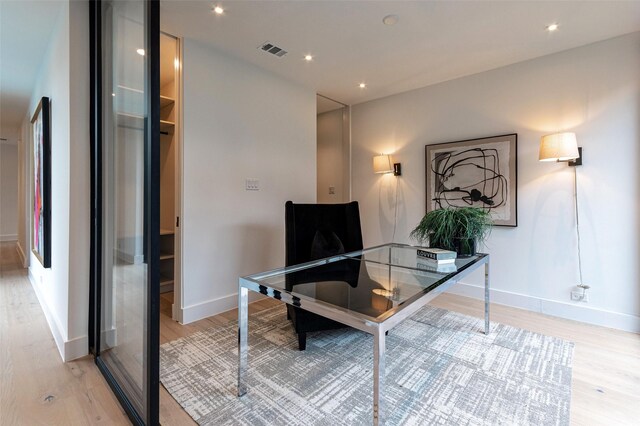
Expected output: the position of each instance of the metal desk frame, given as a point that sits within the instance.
(375, 326)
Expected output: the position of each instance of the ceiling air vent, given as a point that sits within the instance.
(273, 49)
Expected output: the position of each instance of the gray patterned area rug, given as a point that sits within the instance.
(441, 370)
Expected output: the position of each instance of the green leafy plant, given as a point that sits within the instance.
(442, 227)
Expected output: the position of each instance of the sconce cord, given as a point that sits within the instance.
(575, 195)
(395, 213)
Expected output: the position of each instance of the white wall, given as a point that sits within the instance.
(79, 177)
(9, 188)
(63, 289)
(239, 122)
(593, 91)
(24, 173)
(331, 158)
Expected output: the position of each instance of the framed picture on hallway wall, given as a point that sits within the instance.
(475, 173)
(41, 201)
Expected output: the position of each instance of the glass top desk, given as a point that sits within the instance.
(372, 290)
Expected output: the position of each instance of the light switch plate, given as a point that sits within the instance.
(252, 184)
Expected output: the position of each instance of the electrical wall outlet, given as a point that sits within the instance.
(332, 190)
(579, 296)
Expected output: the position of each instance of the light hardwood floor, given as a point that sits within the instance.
(37, 388)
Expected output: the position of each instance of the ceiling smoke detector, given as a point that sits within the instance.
(390, 19)
(273, 49)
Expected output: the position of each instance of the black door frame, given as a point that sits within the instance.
(151, 209)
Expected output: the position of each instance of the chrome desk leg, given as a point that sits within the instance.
(486, 298)
(378, 376)
(243, 320)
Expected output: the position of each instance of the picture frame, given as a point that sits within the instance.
(478, 172)
(41, 200)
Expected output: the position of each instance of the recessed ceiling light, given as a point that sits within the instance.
(308, 58)
(553, 27)
(390, 19)
(362, 85)
(218, 10)
(140, 52)
(113, 94)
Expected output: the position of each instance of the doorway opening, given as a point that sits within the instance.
(170, 176)
(333, 151)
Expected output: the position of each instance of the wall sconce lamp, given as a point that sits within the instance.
(382, 164)
(561, 147)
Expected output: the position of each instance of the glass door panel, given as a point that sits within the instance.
(129, 219)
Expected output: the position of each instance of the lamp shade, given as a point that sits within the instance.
(559, 147)
(382, 164)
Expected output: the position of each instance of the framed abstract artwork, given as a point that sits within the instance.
(475, 173)
(41, 214)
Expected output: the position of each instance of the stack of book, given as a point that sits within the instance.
(437, 259)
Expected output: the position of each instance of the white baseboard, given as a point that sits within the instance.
(68, 349)
(76, 348)
(212, 307)
(8, 237)
(53, 324)
(573, 311)
(23, 257)
(109, 337)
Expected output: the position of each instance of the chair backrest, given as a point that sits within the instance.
(303, 221)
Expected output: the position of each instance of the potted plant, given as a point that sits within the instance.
(454, 228)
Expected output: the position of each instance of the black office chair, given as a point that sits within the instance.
(316, 231)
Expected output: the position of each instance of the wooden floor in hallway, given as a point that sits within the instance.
(37, 388)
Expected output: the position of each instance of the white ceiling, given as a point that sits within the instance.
(433, 41)
(25, 31)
